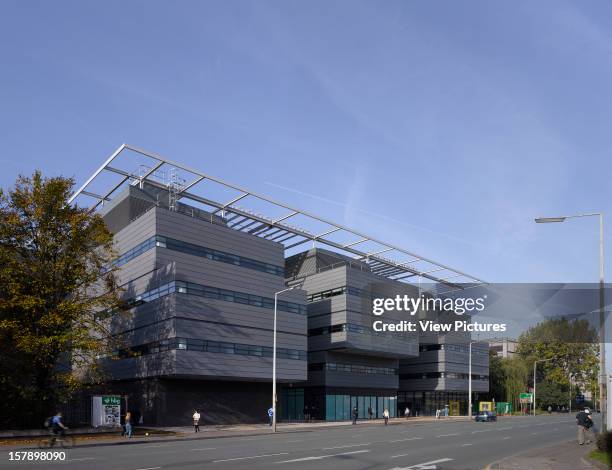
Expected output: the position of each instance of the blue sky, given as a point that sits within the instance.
(443, 127)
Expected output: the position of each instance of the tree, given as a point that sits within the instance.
(567, 347)
(515, 374)
(57, 292)
(497, 377)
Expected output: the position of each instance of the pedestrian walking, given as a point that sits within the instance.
(549, 409)
(584, 422)
(407, 413)
(306, 414)
(437, 414)
(370, 413)
(355, 414)
(128, 425)
(196, 421)
(386, 416)
(270, 415)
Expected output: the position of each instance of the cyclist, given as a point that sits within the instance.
(58, 428)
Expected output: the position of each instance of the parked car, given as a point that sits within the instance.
(486, 416)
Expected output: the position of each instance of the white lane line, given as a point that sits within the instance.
(504, 429)
(424, 465)
(347, 446)
(448, 435)
(407, 439)
(534, 433)
(203, 448)
(465, 445)
(476, 432)
(148, 468)
(507, 437)
(81, 459)
(250, 457)
(319, 457)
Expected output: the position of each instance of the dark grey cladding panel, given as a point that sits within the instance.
(385, 345)
(237, 334)
(219, 237)
(136, 232)
(344, 358)
(126, 207)
(238, 367)
(446, 385)
(335, 318)
(151, 365)
(344, 379)
(137, 268)
(316, 378)
(223, 275)
(148, 333)
(145, 314)
(238, 314)
(325, 280)
(149, 280)
(325, 342)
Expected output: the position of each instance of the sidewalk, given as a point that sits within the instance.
(566, 456)
(181, 433)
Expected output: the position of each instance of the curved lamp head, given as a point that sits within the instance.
(549, 220)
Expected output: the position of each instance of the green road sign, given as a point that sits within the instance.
(111, 400)
(526, 397)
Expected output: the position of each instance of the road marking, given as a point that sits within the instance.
(507, 437)
(448, 435)
(347, 446)
(203, 448)
(249, 457)
(534, 433)
(148, 468)
(504, 429)
(81, 459)
(476, 432)
(465, 445)
(319, 457)
(407, 439)
(423, 466)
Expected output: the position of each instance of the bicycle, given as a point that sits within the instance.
(66, 441)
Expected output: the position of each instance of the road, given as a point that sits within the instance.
(443, 445)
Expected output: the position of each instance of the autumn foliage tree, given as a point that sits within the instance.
(56, 283)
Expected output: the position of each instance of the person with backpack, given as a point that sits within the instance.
(585, 423)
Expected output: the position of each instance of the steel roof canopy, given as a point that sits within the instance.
(267, 226)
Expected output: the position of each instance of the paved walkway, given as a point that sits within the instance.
(180, 433)
(566, 456)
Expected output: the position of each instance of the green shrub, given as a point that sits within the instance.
(604, 442)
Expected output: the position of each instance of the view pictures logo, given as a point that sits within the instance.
(412, 305)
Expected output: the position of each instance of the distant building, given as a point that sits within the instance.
(505, 347)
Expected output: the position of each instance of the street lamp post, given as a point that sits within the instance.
(470, 381)
(602, 318)
(534, 381)
(276, 294)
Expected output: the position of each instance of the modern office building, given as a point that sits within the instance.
(200, 267)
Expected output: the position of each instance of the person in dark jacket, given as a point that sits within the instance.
(584, 422)
(355, 414)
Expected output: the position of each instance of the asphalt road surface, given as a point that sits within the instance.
(441, 445)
